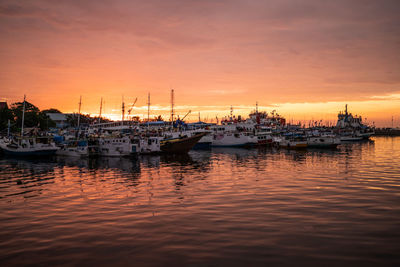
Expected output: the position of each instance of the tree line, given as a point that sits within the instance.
(36, 118)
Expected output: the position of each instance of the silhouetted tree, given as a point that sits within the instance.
(33, 116)
(85, 119)
(5, 115)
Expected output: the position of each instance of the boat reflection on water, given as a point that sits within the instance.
(26, 177)
(236, 152)
(239, 202)
(200, 160)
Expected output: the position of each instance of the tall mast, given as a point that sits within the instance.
(101, 107)
(172, 105)
(231, 112)
(123, 108)
(199, 117)
(392, 122)
(23, 117)
(256, 107)
(148, 110)
(79, 111)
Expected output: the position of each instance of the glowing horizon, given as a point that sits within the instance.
(293, 112)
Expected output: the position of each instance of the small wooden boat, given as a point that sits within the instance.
(180, 144)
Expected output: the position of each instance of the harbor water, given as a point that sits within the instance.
(222, 207)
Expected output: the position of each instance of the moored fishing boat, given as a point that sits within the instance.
(323, 141)
(264, 136)
(116, 147)
(234, 139)
(292, 141)
(350, 138)
(74, 149)
(205, 142)
(29, 146)
(352, 128)
(147, 145)
(181, 144)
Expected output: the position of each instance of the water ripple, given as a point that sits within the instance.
(219, 207)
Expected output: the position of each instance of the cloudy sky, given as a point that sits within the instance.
(302, 58)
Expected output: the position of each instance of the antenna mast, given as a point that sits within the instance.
(101, 107)
(123, 108)
(148, 110)
(23, 117)
(172, 105)
(79, 111)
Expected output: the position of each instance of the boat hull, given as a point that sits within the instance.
(205, 145)
(180, 145)
(350, 139)
(73, 152)
(293, 144)
(237, 145)
(234, 140)
(323, 142)
(36, 153)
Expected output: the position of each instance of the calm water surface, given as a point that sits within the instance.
(221, 207)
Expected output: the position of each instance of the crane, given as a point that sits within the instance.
(186, 115)
(134, 102)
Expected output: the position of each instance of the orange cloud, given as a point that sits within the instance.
(215, 53)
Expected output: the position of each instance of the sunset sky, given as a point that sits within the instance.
(305, 59)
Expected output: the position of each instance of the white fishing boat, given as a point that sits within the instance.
(205, 142)
(264, 136)
(116, 147)
(74, 149)
(148, 145)
(352, 128)
(29, 146)
(350, 138)
(234, 139)
(323, 141)
(293, 142)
